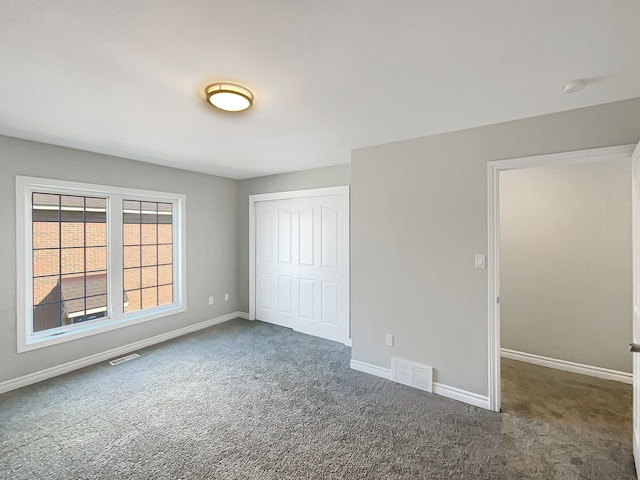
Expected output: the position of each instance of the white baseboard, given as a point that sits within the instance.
(567, 366)
(370, 369)
(453, 393)
(465, 396)
(51, 372)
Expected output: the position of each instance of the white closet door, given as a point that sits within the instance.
(275, 266)
(301, 265)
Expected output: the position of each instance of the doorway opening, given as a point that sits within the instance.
(551, 348)
(566, 295)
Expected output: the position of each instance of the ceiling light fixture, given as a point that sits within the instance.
(229, 97)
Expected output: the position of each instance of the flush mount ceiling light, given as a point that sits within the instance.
(229, 97)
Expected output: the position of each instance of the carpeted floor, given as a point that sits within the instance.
(568, 399)
(248, 400)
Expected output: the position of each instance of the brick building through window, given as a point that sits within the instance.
(69, 242)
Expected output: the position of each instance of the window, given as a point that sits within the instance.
(92, 258)
(69, 259)
(148, 254)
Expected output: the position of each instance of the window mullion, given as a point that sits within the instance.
(115, 257)
(27, 282)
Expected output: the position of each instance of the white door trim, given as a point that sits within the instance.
(493, 171)
(635, 330)
(313, 192)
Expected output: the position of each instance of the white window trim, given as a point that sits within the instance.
(116, 318)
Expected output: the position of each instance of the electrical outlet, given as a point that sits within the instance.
(388, 340)
(211, 300)
(226, 297)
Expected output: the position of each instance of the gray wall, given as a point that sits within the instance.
(418, 216)
(565, 262)
(211, 244)
(319, 177)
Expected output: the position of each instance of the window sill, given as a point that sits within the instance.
(95, 327)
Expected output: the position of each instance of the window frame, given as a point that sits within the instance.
(116, 317)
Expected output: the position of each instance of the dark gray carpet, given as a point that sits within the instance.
(247, 400)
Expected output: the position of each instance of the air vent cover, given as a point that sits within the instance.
(126, 358)
(412, 374)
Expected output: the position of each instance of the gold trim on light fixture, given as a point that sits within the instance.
(229, 97)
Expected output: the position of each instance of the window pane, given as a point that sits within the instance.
(46, 316)
(131, 205)
(132, 278)
(149, 212)
(131, 234)
(68, 272)
(72, 260)
(165, 274)
(45, 207)
(72, 234)
(84, 309)
(131, 257)
(149, 297)
(72, 202)
(164, 208)
(132, 300)
(72, 208)
(149, 276)
(96, 204)
(46, 235)
(96, 307)
(165, 233)
(165, 211)
(165, 254)
(96, 210)
(149, 255)
(96, 258)
(131, 212)
(149, 234)
(73, 287)
(73, 309)
(97, 284)
(46, 200)
(46, 262)
(96, 234)
(46, 289)
(155, 236)
(165, 294)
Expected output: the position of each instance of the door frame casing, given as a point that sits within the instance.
(493, 174)
(635, 329)
(287, 195)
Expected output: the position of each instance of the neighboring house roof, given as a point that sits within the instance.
(73, 293)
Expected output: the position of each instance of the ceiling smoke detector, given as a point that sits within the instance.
(575, 86)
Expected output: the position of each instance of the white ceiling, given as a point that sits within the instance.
(126, 77)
